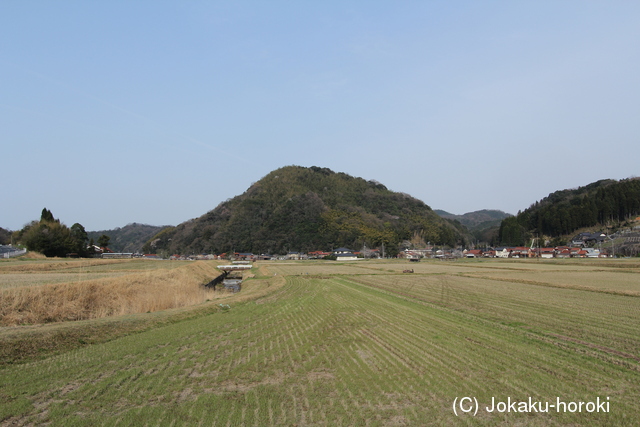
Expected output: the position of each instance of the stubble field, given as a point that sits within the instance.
(361, 343)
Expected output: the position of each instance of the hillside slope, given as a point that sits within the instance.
(302, 209)
(601, 204)
(130, 238)
(483, 225)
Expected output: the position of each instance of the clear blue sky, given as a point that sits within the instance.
(114, 112)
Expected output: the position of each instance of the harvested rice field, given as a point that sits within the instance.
(470, 342)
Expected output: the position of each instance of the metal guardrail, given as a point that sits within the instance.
(235, 267)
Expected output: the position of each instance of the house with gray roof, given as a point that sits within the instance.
(344, 254)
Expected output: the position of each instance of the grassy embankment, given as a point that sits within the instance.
(36, 291)
(363, 344)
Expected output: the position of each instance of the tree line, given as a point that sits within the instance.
(52, 238)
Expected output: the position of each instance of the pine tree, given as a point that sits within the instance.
(46, 216)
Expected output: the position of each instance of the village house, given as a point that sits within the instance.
(409, 254)
(520, 252)
(318, 254)
(473, 253)
(243, 256)
(575, 252)
(585, 239)
(415, 253)
(296, 255)
(502, 252)
(545, 252)
(592, 253)
(344, 254)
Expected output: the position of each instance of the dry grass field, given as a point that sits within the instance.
(330, 344)
(51, 291)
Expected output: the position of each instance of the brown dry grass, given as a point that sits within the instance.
(133, 293)
(34, 255)
(19, 280)
(24, 343)
(56, 264)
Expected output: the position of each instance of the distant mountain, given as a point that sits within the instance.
(478, 219)
(303, 209)
(601, 204)
(130, 238)
(483, 225)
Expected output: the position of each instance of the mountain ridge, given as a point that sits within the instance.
(475, 218)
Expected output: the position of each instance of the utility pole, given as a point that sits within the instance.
(613, 246)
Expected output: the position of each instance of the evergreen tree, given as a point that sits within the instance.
(79, 239)
(46, 216)
(103, 241)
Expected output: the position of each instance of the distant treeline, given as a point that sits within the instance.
(605, 202)
(52, 238)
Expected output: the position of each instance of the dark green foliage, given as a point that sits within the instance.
(302, 209)
(103, 241)
(488, 235)
(512, 232)
(5, 236)
(606, 202)
(52, 238)
(46, 216)
(78, 240)
(48, 238)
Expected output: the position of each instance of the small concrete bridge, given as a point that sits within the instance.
(231, 283)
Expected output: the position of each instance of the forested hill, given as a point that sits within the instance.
(304, 209)
(599, 204)
(130, 238)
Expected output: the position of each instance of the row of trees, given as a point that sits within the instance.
(54, 239)
(562, 213)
